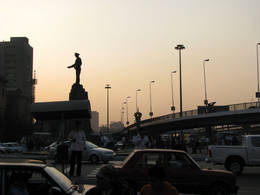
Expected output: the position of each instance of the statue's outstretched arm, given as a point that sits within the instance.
(71, 66)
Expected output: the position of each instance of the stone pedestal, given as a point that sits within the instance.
(77, 92)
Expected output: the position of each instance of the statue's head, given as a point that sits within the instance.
(76, 54)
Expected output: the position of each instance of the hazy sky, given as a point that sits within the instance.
(128, 43)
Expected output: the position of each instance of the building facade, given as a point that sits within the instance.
(2, 104)
(16, 65)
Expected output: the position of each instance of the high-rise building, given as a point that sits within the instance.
(16, 66)
(94, 121)
(16, 59)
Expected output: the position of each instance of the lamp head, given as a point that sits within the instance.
(179, 47)
(107, 86)
(206, 60)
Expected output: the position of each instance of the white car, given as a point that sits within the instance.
(40, 178)
(3, 149)
(13, 147)
(93, 153)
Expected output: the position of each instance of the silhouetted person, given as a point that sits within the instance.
(158, 183)
(77, 66)
(78, 144)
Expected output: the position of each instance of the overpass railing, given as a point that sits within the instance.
(167, 117)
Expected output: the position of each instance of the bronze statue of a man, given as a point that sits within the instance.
(77, 66)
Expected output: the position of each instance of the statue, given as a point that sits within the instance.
(77, 66)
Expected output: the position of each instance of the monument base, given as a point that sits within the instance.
(77, 92)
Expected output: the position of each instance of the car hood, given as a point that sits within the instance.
(102, 149)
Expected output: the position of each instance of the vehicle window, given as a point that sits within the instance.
(178, 160)
(33, 181)
(256, 141)
(91, 145)
(150, 159)
(229, 139)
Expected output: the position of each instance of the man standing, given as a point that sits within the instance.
(78, 144)
(77, 66)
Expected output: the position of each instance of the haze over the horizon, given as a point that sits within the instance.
(128, 43)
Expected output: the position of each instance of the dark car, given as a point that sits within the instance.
(40, 178)
(181, 171)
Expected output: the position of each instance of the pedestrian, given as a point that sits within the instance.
(78, 144)
(158, 183)
(141, 141)
(195, 146)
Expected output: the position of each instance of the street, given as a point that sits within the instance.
(248, 182)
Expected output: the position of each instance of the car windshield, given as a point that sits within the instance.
(60, 178)
(91, 145)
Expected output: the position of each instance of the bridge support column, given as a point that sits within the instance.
(210, 134)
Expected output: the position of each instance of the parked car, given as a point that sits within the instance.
(13, 147)
(93, 153)
(3, 149)
(245, 152)
(181, 171)
(41, 178)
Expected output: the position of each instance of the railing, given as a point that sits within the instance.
(232, 107)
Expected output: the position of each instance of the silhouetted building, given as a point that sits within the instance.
(59, 117)
(16, 62)
(94, 121)
(116, 126)
(2, 104)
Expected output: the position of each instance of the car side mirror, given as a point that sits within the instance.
(55, 191)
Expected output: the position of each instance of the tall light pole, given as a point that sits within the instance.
(180, 47)
(172, 107)
(257, 64)
(122, 114)
(107, 87)
(205, 87)
(137, 109)
(150, 87)
(126, 103)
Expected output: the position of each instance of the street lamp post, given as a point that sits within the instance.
(205, 87)
(122, 114)
(107, 87)
(137, 109)
(151, 112)
(126, 102)
(257, 66)
(180, 47)
(172, 107)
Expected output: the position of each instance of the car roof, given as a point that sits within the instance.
(158, 150)
(22, 162)
(252, 136)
